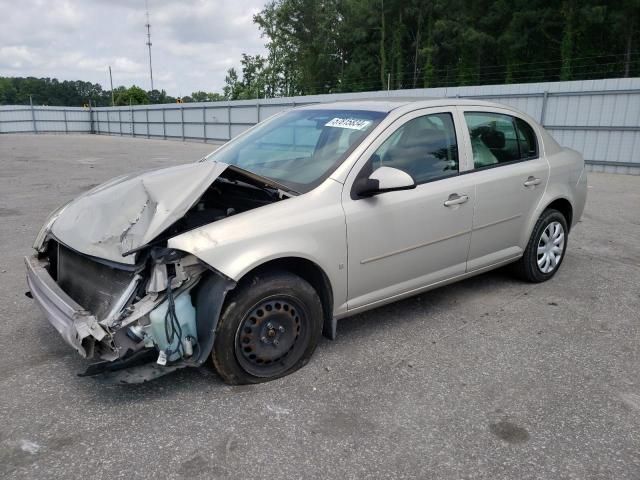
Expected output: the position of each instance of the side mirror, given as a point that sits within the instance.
(384, 179)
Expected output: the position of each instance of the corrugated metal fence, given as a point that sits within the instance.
(600, 118)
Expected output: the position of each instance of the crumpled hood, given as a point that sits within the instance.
(128, 212)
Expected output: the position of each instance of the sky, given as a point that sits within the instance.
(194, 41)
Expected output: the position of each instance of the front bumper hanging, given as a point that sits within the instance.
(78, 327)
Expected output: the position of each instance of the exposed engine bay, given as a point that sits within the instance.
(130, 314)
(230, 194)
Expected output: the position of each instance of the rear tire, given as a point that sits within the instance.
(546, 248)
(269, 328)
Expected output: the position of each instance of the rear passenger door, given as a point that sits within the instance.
(510, 173)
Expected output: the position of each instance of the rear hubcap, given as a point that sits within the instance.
(550, 247)
(269, 340)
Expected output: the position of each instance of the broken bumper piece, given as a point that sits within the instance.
(78, 327)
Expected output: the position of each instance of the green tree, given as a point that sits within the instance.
(8, 92)
(233, 85)
(352, 45)
(160, 96)
(131, 96)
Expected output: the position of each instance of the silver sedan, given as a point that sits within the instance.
(318, 213)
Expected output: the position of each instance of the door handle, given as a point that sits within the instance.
(455, 199)
(532, 182)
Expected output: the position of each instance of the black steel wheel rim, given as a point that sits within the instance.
(272, 336)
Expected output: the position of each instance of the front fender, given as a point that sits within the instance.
(310, 226)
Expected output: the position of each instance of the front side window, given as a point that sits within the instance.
(498, 138)
(424, 147)
(300, 148)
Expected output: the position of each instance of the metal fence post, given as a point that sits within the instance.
(182, 119)
(204, 123)
(120, 121)
(64, 115)
(543, 112)
(131, 120)
(258, 110)
(33, 115)
(164, 125)
(108, 122)
(91, 129)
(146, 116)
(229, 120)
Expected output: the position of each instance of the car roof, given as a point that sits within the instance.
(387, 104)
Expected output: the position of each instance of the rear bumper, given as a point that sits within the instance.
(78, 327)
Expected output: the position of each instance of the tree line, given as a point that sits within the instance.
(329, 46)
(51, 91)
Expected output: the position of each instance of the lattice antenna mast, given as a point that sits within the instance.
(148, 25)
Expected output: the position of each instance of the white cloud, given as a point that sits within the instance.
(194, 41)
(18, 56)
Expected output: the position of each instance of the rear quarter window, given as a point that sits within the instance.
(527, 139)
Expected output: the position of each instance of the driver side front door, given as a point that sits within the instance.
(404, 241)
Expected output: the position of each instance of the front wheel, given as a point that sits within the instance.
(546, 248)
(269, 327)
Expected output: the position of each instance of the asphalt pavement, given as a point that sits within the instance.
(489, 378)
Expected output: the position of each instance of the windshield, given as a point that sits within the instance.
(300, 148)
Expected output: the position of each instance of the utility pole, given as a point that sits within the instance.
(148, 25)
(111, 81)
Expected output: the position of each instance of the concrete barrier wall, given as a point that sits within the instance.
(600, 118)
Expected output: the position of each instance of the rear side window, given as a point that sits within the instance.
(498, 138)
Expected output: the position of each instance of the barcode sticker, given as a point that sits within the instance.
(352, 123)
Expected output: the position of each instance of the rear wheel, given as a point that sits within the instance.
(269, 328)
(545, 251)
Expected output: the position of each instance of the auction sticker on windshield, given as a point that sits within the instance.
(352, 123)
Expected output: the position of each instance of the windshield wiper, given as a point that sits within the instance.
(265, 182)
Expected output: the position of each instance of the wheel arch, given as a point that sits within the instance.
(311, 272)
(559, 202)
(563, 205)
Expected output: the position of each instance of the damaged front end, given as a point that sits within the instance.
(107, 282)
(123, 315)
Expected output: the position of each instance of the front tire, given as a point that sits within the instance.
(269, 328)
(546, 248)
